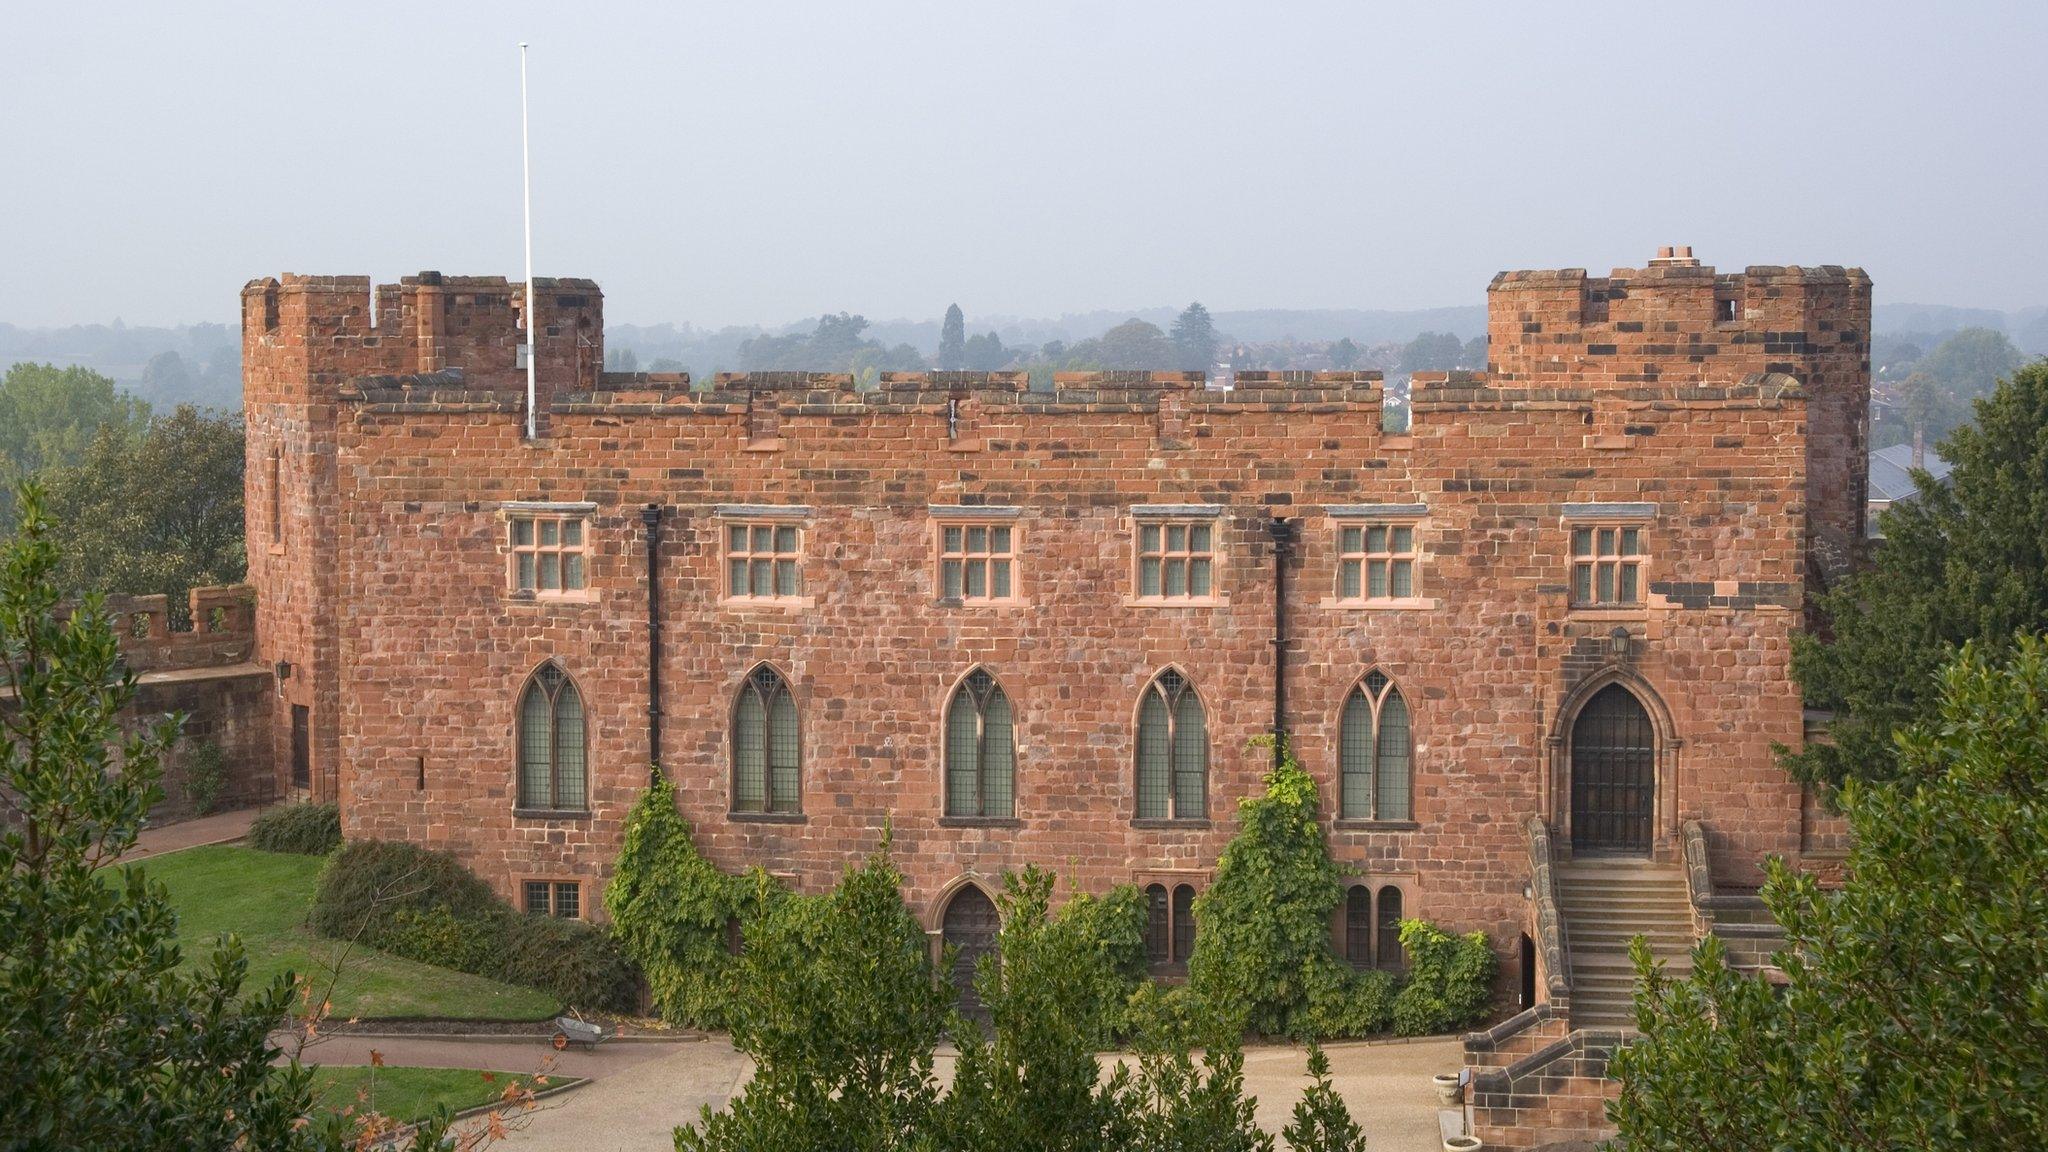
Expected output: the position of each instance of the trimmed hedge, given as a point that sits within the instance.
(424, 905)
(300, 829)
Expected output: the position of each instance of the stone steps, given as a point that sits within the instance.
(1605, 906)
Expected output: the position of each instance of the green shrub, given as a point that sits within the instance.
(368, 883)
(671, 911)
(1112, 929)
(1264, 947)
(301, 829)
(1357, 1004)
(1450, 979)
(424, 905)
(206, 774)
(577, 961)
(436, 936)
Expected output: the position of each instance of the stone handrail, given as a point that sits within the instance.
(1699, 876)
(1550, 941)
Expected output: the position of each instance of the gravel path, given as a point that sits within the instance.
(638, 1106)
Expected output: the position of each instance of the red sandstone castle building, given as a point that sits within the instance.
(1044, 627)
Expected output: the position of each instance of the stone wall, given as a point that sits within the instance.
(208, 672)
(386, 587)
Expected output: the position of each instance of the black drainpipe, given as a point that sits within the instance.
(651, 517)
(1284, 533)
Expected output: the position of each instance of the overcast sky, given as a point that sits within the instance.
(756, 162)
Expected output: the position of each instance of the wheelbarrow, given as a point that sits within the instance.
(574, 1029)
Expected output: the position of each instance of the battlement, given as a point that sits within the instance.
(318, 330)
(1674, 320)
(219, 631)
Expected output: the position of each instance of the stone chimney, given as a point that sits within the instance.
(1675, 256)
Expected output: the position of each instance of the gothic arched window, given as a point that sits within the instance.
(1374, 749)
(1173, 751)
(981, 750)
(766, 761)
(551, 742)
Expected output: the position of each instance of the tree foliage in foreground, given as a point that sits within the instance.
(1915, 1012)
(104, 1042)
(839, 1006)
(49, 417)
(1965, 561)
(157, 510)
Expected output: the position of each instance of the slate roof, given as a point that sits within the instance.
(1890, 477)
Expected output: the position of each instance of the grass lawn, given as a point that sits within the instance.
(407, 1094)
(263, 897)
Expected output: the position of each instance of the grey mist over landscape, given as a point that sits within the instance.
(1309, 172)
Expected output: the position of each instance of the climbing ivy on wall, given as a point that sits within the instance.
(674, 911)
(1264, 950)
(1264, 940)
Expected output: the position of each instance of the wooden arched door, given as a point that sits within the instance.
(970, 929)
(1614, 775)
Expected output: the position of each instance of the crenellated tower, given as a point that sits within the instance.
(303, 338)
(1678, 323)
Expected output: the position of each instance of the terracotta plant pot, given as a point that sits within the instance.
(1448, 1090)
(1462, 1144)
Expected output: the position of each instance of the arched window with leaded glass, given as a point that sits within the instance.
(1173, 751)
(552, 743)
(1376, 753)
(981, 750)
(767, 772)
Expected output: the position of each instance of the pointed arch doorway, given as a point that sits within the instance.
(969, 927)
(1613, 775)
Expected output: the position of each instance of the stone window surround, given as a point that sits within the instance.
(1638, 515)
(1138, 516)
(1406, 883)
(1340, 822)
(1170, 879)
(781, 515)
(536, 511)
(964, 516)
(555, 884)
(955, 695)
(1342, 516)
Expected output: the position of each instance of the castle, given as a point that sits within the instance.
(1018, 627)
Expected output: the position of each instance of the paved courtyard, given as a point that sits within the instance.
(638, 1106)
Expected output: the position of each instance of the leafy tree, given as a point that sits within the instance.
(838, 1005)
(984, 353)
(159, 510)
(953, 340)
(166, 377)
(1321, 1122)
(1966, 560)
(836, 345)
(1914, 1011)
(106, 1043)
(49, 416)
(1344, 353)
(1133, 344)
(621, 360)
(1034, 1084)
(1174, 1103)
(1194, 338)
(1936, 397)
(1432, 352)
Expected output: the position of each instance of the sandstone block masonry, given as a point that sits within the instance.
(1717, 417)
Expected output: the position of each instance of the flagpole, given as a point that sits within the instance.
(526, 197)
